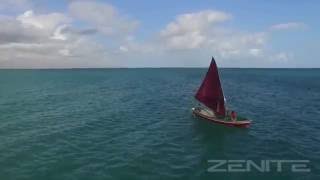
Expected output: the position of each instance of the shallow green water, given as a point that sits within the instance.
(137, 124)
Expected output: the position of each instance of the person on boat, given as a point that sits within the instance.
(233, 116)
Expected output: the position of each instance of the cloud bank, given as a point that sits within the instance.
(95, 34)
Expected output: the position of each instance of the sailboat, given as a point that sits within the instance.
(210, 94)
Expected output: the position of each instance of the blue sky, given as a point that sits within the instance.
(122, 33)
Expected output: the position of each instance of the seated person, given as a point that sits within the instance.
(233, 116)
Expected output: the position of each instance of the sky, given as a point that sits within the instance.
(144, 33)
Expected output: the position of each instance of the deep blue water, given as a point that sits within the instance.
(137, 124)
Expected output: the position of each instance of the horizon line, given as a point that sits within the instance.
(177, 67)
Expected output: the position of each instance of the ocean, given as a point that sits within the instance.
(137, 124)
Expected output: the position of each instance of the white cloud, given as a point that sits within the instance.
(123, 49)
(46, 40)
(205, 31)
(190, 40)
(32, 28)
(194, 22)
(255, 52)
(13, 31)
(191, 30)
(58, 34)
(53, 39)
(287, 26)
(47, 22)
(103, 16)
(282, 57)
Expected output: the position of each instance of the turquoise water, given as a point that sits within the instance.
(137, 124)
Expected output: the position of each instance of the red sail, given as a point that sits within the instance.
(210, 92)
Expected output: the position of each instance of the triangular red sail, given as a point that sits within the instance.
(210, 92)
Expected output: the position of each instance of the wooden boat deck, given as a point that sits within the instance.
(208, 115)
